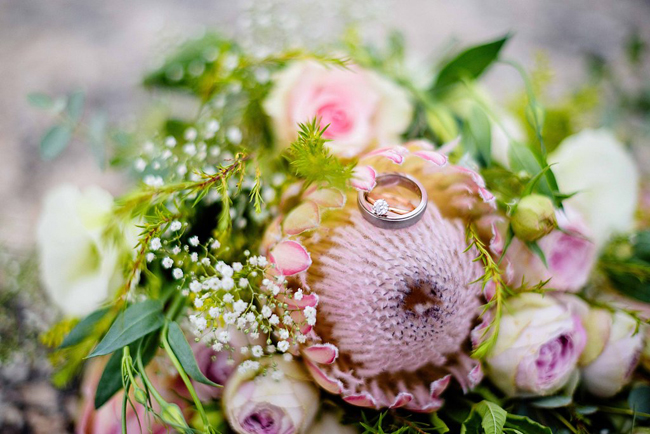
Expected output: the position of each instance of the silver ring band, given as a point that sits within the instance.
(396, 213)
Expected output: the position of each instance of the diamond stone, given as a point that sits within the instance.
(380, 207)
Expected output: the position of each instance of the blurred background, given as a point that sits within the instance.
(105, 47)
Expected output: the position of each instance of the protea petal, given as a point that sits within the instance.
(361, 400)
(290, 257)
(327, 383)
(364, 178)
(432, 156)
(327, 197)
(401, 400)
(437, 387)
(304, 217)
(396, 154)
(322, 353)
(431, 406)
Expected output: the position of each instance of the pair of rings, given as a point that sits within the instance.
(396, 202)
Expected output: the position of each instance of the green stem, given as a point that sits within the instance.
(186, 380)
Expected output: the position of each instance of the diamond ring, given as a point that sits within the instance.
(397, 201)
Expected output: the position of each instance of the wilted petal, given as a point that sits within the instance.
(290, 258)
(364, 178)
(304, 217)
(330, 385)
(401, 400)
(437, 387)
(361, 400)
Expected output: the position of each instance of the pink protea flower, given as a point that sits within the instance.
(394, 307)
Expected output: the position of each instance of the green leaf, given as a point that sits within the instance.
(526, 425)
(83, 329)
(438, 424)
(553, 402)
(111, 380)
(477, 137)
(136, 321)
(639, 399)
(494, 417)
(534, 247)
(530, 186)
(75, 106)
(185, 355)
(97, 138)
(55, 140)
(40, 100)
(469, 64)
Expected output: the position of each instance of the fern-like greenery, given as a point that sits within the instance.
(312, 161)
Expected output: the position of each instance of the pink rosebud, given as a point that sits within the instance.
(569, 253)
(538, 346)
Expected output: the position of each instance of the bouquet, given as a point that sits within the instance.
(329, 243)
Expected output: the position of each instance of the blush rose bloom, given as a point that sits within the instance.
(538, 346)
(79, 267)
(363, 109)
(569, 251)
(596, 165)
(264, 405)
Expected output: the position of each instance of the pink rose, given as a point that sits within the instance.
(362, 109)
(538, 346)
(216, 367)
(569, 253)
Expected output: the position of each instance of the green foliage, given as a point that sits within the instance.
(469, 64)
(626, 262)
(135, 322)
(55, 140)
(84, 328)
(311, 161)
(184, 353)
(477, 137)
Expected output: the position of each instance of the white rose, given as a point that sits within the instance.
(268, 404)
(597, 166)
(79, 269)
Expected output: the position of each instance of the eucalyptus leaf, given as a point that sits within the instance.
(83, 329)
(136, 321)
(639, 399)
(469, 64)
(493, 417)
(75, 106)
(97, 138)
(111, 380)
(185, 355)
(40, 100)
(55, 140)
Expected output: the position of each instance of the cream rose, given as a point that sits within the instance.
(597, 166)
(363, 110)
(537, 348)
(79, 268)
(283, 402)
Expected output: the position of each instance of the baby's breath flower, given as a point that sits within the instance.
(194, 257)
(284, 334)
(205, 261)
(237, 266)
(194, 241)
(176, 250)
(167, 262)
(215, 245)
(223, 336)
(170, 142)
(198, 303)
(239, 306)
(227, 283)
(150, 257)
(266, 311)
(217, 346)
(214, 312)
(228, 298)
(176, 225)
(155, 244)
(243, 282)
(177, 273)
(257, 351)
(230, 318)
(298, 294)
(283, 346)
(195, 286)
(274, 319)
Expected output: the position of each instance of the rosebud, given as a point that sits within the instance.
(266, 405)
(534, 217)
(172, 415)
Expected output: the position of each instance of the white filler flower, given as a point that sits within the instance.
(79, 269)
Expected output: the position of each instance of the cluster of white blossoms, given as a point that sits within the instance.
(232, 298)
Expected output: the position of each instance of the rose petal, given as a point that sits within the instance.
(327, 197)
(364, 178)
(432, 156)
(304, 217)
(395, 154)
(332, 386)
(322, 353)
(290, 258)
